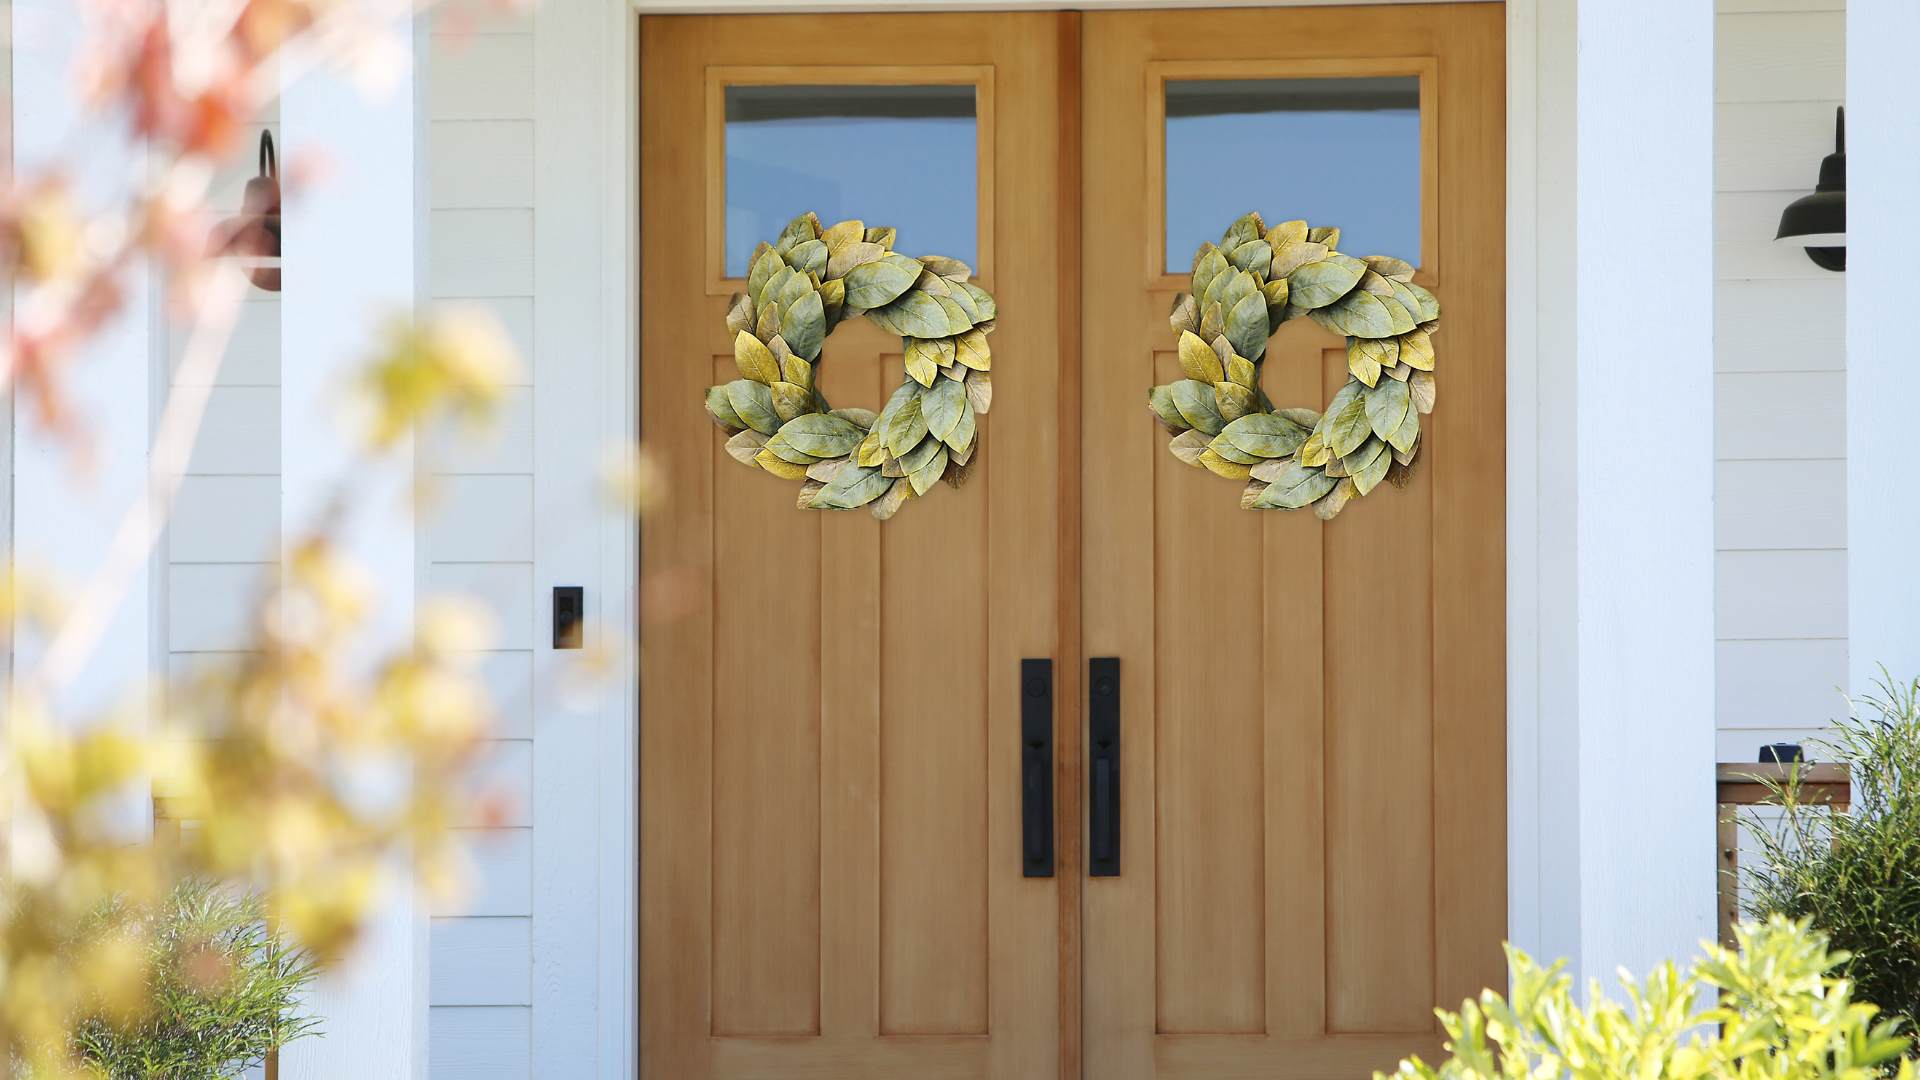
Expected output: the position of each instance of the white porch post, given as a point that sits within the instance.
(1611, 244)
(349, 262)
(1883, 382)
(67, 514)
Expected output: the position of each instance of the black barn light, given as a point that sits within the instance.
(253, 236)
(1818, 222)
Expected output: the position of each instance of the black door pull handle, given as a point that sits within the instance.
(1036, 768)
(1103, 764)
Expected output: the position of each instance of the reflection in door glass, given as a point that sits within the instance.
(890, 155)
(1342, 151)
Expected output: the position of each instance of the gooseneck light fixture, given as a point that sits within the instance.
(1818, 222)
(253, 236)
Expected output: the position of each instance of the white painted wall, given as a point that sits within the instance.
(1883, 229)
(1780, 395)
(529, 214)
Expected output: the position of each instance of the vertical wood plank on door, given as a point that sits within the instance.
(676, 636)
(1067, 741)
(1379, 760)
(1293, 696)
(1208, 756)
(1021, 455)
(850, 628)
(1118, 600)
(1469, 503)
(933, 758)
(766, 753)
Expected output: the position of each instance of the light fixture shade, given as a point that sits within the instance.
(253, 236)
(1818, 222)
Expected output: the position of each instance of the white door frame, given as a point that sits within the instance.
(1551, 874)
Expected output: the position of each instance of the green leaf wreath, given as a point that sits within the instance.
(798, 289)
(1243, 288)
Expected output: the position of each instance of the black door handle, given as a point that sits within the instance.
(1103, 766)
(1036, 768)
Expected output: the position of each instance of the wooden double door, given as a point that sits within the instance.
(1310, 804)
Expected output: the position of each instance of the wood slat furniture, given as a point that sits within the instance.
(1746, 785)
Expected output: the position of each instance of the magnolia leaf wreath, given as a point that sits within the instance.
(798, 289)
(1243, 289)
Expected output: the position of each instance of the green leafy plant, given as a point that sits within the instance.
(1781, 1014)
(221, 989)
(1855, 875)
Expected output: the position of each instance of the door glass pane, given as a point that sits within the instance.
(890, 155)
(1340, 151)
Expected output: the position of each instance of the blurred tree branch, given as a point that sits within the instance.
(304, 774)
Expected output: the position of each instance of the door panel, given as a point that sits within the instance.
(1313, 714)
(1313, 776)
(831, 879)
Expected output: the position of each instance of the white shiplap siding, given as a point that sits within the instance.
(1780, 390)
(477, 537)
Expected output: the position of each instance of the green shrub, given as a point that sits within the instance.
(221, 990)
(1780, 1015)
(1856, 875)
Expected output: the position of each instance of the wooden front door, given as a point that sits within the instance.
(1311, 788)
(831, 866)
(1313, 714)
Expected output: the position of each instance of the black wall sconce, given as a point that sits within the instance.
(254, 235)
(1818, 222)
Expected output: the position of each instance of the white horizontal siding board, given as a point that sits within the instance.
(1771, 146)
(481, 519)
(1744, 745)
(1782, 683)
(515, 316)
(1783, 56)
(502, 445)
(477, 961)
(185, 666)
(481, 77)
(457, 18)
(1781, 325)
(1780, 504)
(499, 874)
(481, 253)
(1793, 415)
(508, 677)
(503, 590)
(1730, 7)
(1744, 247)
(1781, 594)
(482, 1042)
(210, 605)
(253, 348)
(225, 519)
(480, 164)
(502, 780)
(239, 433)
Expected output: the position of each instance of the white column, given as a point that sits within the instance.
(1883, 232)
(68, 512)
(1611, 480)
(348, 259)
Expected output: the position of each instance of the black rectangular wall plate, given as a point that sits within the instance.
(569, 616)
(1103, 766)
(1036, 768)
